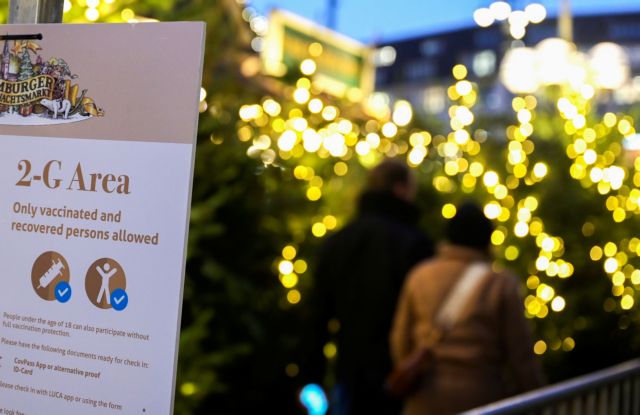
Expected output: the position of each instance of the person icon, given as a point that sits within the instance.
(106, 272)
(105, 277)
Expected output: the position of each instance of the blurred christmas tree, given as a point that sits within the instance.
(279, 165)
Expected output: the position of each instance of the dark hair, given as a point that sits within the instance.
(386, 175)
(470, 227)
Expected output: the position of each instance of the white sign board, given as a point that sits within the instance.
(97, 137)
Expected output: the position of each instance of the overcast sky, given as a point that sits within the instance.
(376, 20)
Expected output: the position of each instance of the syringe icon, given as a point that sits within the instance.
(51, 274)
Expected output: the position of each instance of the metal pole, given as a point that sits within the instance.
(35, 11)
(332, 14)
(565, 21)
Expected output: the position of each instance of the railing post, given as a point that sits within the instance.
(35, 11)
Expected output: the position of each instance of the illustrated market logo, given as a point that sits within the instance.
(39, 92)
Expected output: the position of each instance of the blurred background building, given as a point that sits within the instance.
(419, 68)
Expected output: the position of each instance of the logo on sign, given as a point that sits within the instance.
(38, 92)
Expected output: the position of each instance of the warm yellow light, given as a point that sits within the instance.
(490, 179)
(67, 6)
(618, 278)
(287, 140)
(590, 157)
(619, 215)
(318, 229)
(311, 140)
(417, 155)
(609, 63)
(271, 107)
(545, 292)
(627, 302)
(611, 265)
(294, 296)
(535, 12)
(285, 267)
(289, 280)
(308, 67)
(451, 168)
(389, 130)
(521, 229)
(92, 14)
(511, 253)
(250, 112)
(463, 114)
(542, 263)
(448, 211)
(524, 116)
(540, 170)
(330, 350)
(335, 144)
(301, 95)
(363, 148)
(127, 14)
(459, 71)
(517, 72)
(610, 249)
(461, 137)
(492, 210)
(188, 388)
(547, 244)
(497, 237)
(483, 17)
(329, 113)
(540, 347)
(476, 169)
(610, 119)
(402, 114)
(315, 49)
(500, 192)
(314, 193)
(288, 253)
(300, 266)
(558, 304)
(315, 106)
(463, 87)
(568, 344)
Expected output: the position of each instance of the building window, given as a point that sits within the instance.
(431, 47)
(484, 63)
(419, 70)
(434, 99)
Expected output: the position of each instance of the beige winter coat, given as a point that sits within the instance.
(485, 357)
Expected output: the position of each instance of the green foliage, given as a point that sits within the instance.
(239, 332)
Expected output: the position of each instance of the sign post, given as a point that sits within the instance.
(35, 11)
(97, 141)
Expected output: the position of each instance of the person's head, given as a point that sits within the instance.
(470, 227)
(392, 177)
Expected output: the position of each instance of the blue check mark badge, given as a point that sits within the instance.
(119, 299)
(63, 292)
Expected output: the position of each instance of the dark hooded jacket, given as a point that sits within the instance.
(359, 273)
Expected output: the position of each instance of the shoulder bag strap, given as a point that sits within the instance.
(460, 295)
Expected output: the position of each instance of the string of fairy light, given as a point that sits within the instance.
(315, 127)
(596, 150)
(461, 167)
(305, 130)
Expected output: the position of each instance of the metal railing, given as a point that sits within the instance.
(612, 391)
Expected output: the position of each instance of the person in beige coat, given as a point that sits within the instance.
(487, 355)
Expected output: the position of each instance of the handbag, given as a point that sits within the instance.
(407, 375)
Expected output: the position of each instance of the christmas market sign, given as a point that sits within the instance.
(40, 92)
(343, 65)
(94, 206)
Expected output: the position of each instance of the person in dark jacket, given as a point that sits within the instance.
(359, 273)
